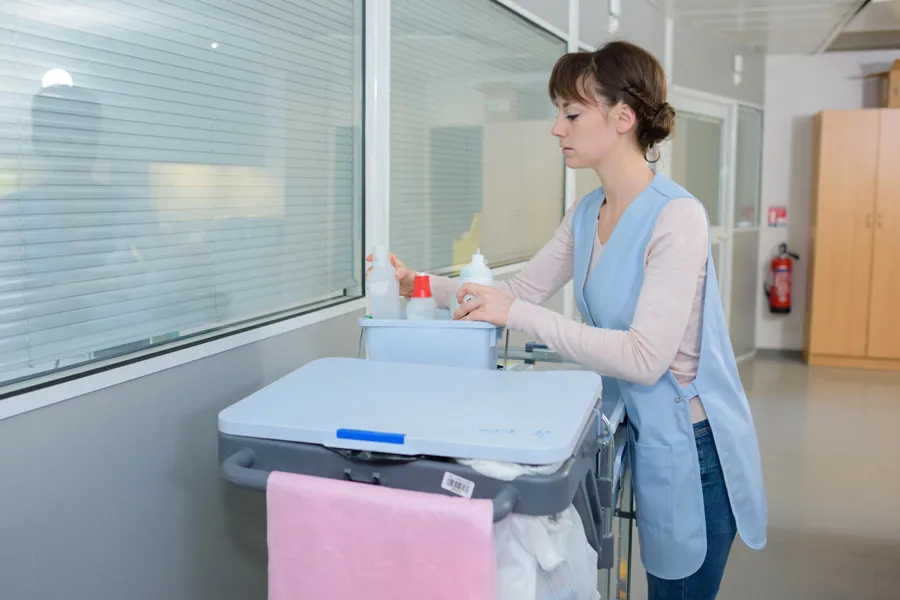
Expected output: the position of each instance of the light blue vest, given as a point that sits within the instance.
(668, 493)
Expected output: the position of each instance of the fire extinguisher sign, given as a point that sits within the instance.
(778, 216)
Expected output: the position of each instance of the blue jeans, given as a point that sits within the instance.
(720, 530)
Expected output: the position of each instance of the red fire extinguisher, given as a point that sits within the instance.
(778, 288)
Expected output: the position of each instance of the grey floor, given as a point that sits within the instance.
(830, 440)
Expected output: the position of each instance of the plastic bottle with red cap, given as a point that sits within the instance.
(422, 306)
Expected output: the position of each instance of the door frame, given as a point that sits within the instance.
(721, 236)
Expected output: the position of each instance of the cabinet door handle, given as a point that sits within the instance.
(868, 221)
(879, 220)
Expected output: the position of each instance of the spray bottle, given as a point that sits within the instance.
(383, 287)
(476, 271)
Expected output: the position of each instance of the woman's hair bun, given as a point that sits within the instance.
(655, 128)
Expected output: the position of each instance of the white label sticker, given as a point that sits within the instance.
(457, 485)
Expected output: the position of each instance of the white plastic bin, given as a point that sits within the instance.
(468, 344)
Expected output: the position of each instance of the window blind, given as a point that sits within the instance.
(167, 168)
(473, 163)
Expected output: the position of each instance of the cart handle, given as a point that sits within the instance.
(604, 427)
(504, 502)
(237, 469)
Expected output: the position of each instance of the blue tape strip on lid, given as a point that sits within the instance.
(363, 435)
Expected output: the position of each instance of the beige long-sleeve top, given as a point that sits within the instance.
(665, 331)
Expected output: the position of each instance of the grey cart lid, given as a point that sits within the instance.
(530, 417)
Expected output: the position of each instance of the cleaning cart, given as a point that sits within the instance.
(343, 418)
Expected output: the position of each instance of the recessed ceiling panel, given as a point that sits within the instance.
(782, 26)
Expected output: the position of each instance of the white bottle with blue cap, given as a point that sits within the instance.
(477, 272)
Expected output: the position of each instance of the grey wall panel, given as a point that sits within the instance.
(117, 494)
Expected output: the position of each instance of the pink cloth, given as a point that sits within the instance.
(338, 540)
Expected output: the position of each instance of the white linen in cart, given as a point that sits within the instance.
(544, 558)
(508, 471)
(540, 558)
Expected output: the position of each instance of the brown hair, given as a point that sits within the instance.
(618, 72)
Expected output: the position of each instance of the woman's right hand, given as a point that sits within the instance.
(404, 274)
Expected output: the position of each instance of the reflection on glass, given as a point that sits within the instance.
(749, 168)
(473, 164)
(56, 77)
(696, 159)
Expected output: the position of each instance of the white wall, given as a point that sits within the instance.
(797, 87)
(704, 62)
(640, 22)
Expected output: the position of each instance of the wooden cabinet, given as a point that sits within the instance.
(854, 273)
(884, 312)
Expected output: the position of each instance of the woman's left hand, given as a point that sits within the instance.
(487, 304)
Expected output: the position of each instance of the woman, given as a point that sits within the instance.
(654, 328)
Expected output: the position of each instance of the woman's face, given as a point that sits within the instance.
(587, 133)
